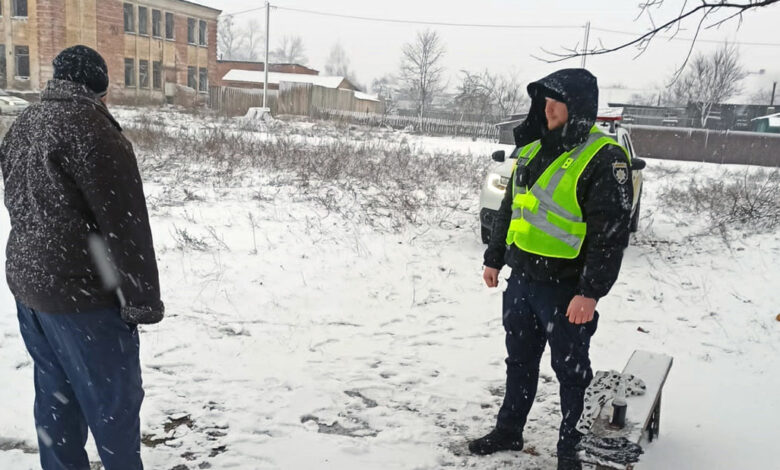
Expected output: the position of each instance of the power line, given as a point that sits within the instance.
(485, 25)
(418, 22)
(431, 23)
(235, 13)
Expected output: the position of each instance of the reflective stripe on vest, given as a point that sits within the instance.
(547, 219)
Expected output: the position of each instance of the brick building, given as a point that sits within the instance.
(152, 47)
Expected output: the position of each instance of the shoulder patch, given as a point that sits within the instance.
(620, 172)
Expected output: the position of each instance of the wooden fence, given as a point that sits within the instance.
(292, 98)
(480, 130)
(302, 99)
(232, 101)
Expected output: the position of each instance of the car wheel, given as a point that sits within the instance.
(485, 235)
(634, 225)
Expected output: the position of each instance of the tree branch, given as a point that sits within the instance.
(643, 41)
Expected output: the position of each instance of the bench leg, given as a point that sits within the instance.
(655, 421)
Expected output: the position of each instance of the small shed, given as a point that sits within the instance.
(769, 123)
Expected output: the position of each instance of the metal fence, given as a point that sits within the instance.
(480, 130)
(704, 145)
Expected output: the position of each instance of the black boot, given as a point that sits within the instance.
(497, 440)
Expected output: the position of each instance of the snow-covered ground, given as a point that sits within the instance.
(299, 339)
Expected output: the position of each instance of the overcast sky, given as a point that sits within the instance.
(375, 48)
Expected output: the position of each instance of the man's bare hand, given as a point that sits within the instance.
(490, 276)
(581, 310)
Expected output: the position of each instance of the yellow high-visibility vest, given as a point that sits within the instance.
(547, 219)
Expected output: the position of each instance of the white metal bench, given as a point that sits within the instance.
(643, 412)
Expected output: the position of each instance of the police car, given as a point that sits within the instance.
(496, 181)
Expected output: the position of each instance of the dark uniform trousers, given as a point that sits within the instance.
(535, 314)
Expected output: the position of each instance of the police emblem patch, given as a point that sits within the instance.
(620, 171)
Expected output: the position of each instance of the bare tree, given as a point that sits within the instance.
(385, 88)
(508, 95)
(290, 51)
(473, 95)
(229, 40)
(253, 38)
(421, 68)
(337, 63)
(762, 97)
(491, 94)
(713, 13)
(710, 79)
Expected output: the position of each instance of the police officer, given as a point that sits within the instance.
(562, 228)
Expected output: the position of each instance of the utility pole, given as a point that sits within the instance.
(774, 88)
(585, 49)
(267, 39)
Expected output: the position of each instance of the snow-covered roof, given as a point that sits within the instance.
(610, 112)
(365, 96)
(774, 119)
(274, 78)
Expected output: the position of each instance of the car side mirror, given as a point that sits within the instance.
(499, 156)
(638, 164)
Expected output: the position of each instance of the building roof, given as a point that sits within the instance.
(200, 5)
(274, 78)
(260, 62)
(365, 96)
(774, 119)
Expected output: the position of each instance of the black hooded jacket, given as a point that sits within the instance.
(605, 200)
(69, 171)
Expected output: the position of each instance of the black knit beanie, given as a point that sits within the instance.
(83, 65)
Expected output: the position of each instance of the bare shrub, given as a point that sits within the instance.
(362, 177)
(748, 199)
(186, 241)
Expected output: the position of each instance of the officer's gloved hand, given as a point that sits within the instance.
(143, 315)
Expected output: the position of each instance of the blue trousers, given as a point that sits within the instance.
(535, 314)
(87, 375)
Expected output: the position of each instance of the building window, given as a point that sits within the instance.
(143, 74)
(203, 80)
(19, 8)
(130, 73)
(22, 54)
(202, 28)
(191, 32)
(192, 77)
(157, 75)
(156, 23)
(143, 21)
(129, 18)
(169, 26)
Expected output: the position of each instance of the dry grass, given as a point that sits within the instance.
(748, 200)
(351, 171)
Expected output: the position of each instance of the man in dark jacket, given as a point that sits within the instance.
(558, 274)
(69, 172)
